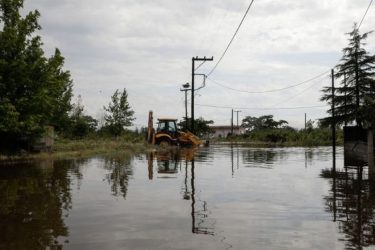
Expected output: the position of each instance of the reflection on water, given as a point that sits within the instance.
(168, 163)
(352, 202)
(222, 197)
(119, 172)
(35, 199)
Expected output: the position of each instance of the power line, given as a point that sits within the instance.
(296, 95)
(363, 18)
(270, 90)
(231, 40)
(247, 108)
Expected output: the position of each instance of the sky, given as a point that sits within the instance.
(147, 47)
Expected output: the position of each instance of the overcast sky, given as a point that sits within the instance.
(146, 47)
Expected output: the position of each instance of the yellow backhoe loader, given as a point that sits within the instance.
(168, 135)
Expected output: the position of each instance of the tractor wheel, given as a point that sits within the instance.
(164, 143)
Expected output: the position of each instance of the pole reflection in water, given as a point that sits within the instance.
(150, 161)
(231, 157)
(352, 203)
(198, 215)
(167, 163)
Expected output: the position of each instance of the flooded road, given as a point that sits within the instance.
(221, 197)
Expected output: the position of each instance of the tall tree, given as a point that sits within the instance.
(34, 90)
(262, 122)
(119, 113)
(356, 72)
(80, 123)
(202, 126)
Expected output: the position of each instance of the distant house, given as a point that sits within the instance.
(224, 131)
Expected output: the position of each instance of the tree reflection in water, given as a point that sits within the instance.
(261, 158)
(120, 171)
(35, 198)
(352, 202)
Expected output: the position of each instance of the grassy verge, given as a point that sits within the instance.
(67, 149)
(285, 138)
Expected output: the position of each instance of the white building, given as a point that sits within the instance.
(224, 131)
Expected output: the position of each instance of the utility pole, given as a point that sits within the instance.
(232, 124)
(238, 111)
(203, 59)
(333, 119)
(186, 89)
(305, 122)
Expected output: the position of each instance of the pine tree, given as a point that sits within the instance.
(119, 113)
(356, 72)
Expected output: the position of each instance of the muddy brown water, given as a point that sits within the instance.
(220, 197)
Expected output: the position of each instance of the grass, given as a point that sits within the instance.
(68, 149)
(286, 138)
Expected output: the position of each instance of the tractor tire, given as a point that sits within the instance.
(164, 142)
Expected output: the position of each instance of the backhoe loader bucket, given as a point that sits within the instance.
(188, 138)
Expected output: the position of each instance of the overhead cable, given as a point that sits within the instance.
(247, 108)
(296, 95)
(231, 40)
(363, 18)
(270, 90)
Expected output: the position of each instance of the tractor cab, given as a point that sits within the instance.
(166, 133)
(168, 126)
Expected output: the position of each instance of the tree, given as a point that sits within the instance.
(356, 72)
(34, 90)
(201, 125)
(119, 113)
(81, 124)
(310, 125)
(262, 122)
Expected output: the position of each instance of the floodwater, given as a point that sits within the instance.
(220, 197)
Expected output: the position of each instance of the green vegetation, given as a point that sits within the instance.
(354, 97)
(119, 114)
(128, 142)
(81, 125)
(262, 122)
(35, 90)
(290, 137)
(201, 126)
(265, 131)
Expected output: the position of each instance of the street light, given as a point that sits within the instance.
(186, 88)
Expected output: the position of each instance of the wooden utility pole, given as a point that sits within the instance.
(237, 111)
(186, 89)
(305, 122)
(204, 59)
(333, 118)
(186, 115)
(232, 124)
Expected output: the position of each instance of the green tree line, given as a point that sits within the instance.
(36, 90)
